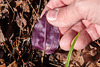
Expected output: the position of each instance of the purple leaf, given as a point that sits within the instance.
(45, 36)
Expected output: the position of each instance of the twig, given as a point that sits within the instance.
(32, 53)
(12, 46)
(19, 4)
(33, 10)
(54, 65)
(31, 6)
(11, 9)
(10, 1)
(17, 44)
(9, 50)
(88, 64)
(21, 23)
(42, 58)
(39, 6)
(45, 2)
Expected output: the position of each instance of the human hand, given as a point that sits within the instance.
(73, 16)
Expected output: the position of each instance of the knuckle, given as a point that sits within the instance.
(81, 7)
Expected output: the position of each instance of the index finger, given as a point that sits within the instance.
(52, 4)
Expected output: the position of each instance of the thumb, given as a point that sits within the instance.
(64, 17)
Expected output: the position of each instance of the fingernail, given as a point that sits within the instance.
(52, 15)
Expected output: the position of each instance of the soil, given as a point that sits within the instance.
(17, 20)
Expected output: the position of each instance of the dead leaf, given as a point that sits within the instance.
(1, 52)
(20, 21)
(2, 64)
(25, 7)
(77, 57)
(3, 11)
(1, 36)
(91, 64)
(23, 20)
(29, 64)
(13, 64)
(17, 2)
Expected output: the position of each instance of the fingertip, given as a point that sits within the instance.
(64, 46)
(98, 29)
(65, 42)
(91, 33)
(82, 41)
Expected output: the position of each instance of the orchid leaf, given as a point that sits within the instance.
(45, 36)
(71, 50)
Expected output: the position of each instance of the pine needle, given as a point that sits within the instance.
(12, 11)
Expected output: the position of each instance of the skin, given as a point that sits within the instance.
(73, 16)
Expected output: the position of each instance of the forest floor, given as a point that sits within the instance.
(17, 20)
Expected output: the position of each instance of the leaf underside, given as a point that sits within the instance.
(45, 36)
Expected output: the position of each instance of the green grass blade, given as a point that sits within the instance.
(71, 49)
